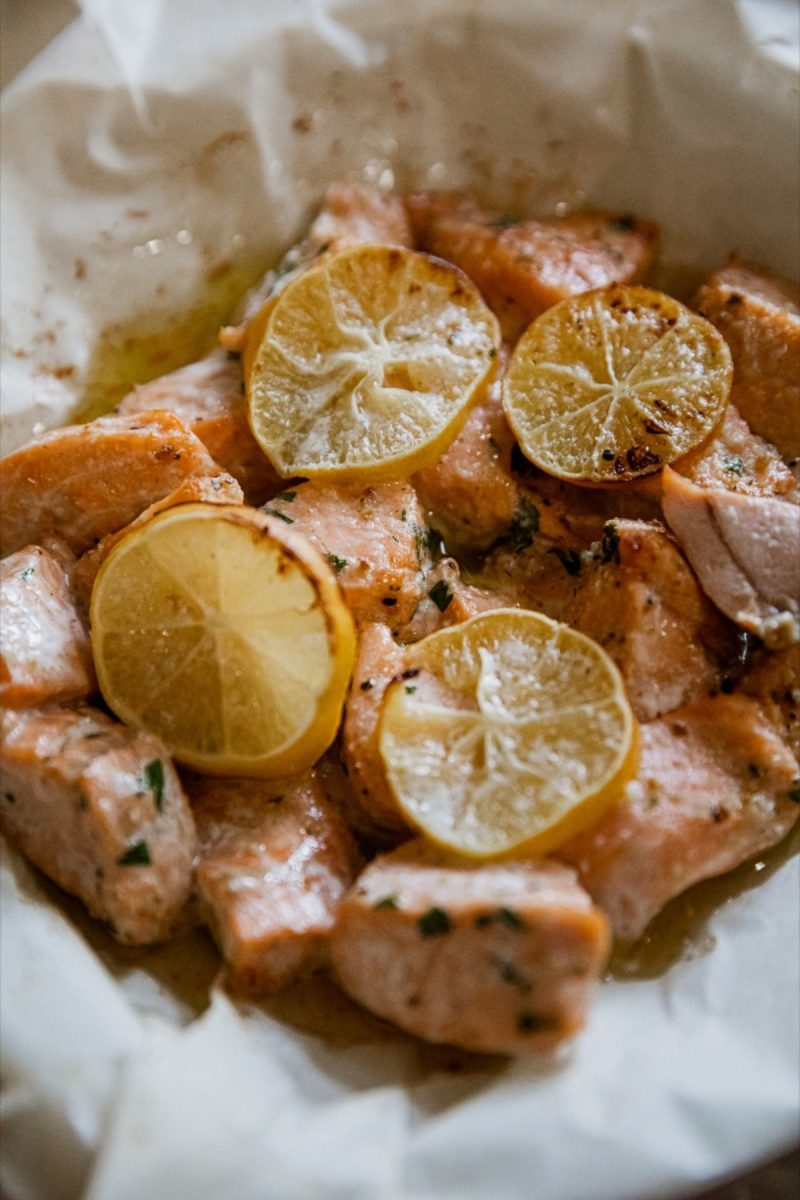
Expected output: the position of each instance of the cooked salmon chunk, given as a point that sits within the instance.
(208, 396)
(379, 661)
(84, 481)
(353, 215)
(774, 680)
(498, 957)
(714, 787)
(745, 550)
(375, 539)
(99, 808)
(523, 267)
(45, 654)
(207, 489)
(737, 460)
(758, 314)
(640, 600)
(275, 859)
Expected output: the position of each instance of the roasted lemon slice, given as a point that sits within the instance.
(611, 385)
(367, 364)
(514, 732)
(226, 636)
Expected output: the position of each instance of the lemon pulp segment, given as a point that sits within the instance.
(226, 637)
(516, 733)
(611, 385)
(367, 364)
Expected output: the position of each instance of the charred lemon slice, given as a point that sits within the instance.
(611, 385)
(226, 636)
(514, 733)
(364, 367)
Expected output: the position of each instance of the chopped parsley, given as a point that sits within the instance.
(137, 855)
(410, 690)
(9, 797)
(337, 563)
(154, 778)
(434, 923)
(510, 973)
(506, 221)
(287, 496)
(524, 525)
(388, 902)
(794, 791)
(274, 512)
(501, 916)
(569, 559)
(529, 1022)
(441, 594)
(735, 465)
(26, 574)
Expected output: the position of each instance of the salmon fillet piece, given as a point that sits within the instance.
(99, 809)
(374, 812)
(738, 460)
(640, 600)
(84, 481)
(375, 538)
(541, 575)
(208, 396)
(497, 957)
(45, 655)
(775, 682)
(206, 489)
(523, 267)
(745, 550)
(275, 859)
(713, 789)
(758, 314)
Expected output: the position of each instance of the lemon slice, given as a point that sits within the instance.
(515, 733)
(227, 637)
(611, 385)
(368, 364)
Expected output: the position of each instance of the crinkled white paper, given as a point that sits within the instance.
(157, 143)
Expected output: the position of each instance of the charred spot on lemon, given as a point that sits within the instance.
(518, 735)
(611, 385)
(367, 365)
(226, 636)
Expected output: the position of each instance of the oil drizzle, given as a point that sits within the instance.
(680, 931)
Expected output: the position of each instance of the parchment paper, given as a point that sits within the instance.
(158, 148)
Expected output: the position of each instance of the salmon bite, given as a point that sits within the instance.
(448, 610)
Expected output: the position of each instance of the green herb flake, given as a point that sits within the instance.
(734, 465)
(388, 902)
(529, 1022)
(569, 559)
(524, 525)
(287, 496)
(9, 798)
(441, 595)
(410, 690)
(154, 779)
(794, 791)
(273, 512)
(506, 221)
(434, 923)
(501, 916)
(510, 973)
(421, 542)
(26, 574)
(137, 855)
(337, 563)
